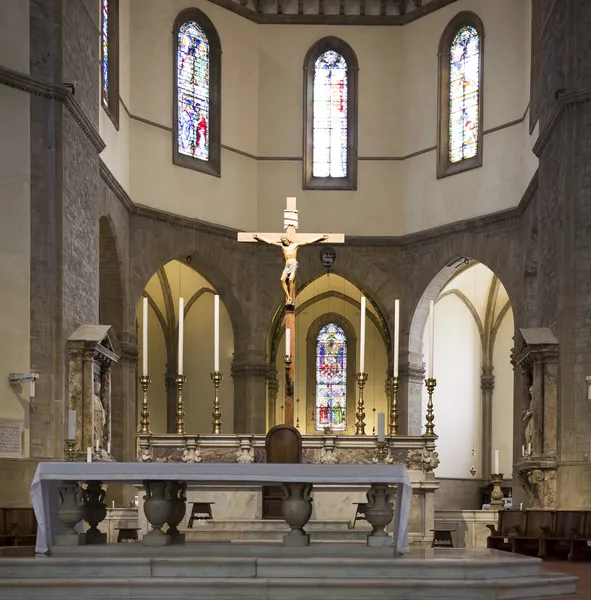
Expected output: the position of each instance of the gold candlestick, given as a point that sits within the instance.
(216, 377)
(180, 411)
(394, 405)
(69, 450)
(430, 383)
(360, 414)
(145, 381)
(496, 496)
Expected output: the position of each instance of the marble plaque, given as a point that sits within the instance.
(11, 438)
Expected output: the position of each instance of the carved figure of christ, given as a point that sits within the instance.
(289, 242)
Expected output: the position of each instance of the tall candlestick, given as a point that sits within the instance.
(181, 334)
(497, 462)
(144, 336)
(396, 335)
(381, 427)
(362, 338)
(89, 454)
(71, 424)
(431, 337)
(216, 333)
(288, 342)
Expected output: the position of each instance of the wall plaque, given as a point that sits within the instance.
(11, 438)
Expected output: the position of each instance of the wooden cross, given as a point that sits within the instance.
(289, 242)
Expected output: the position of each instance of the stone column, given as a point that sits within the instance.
(124, 398)
(487, 386)
(550, 406)
(250, 372)
(272, 390)
(171, 397)
(410, 394)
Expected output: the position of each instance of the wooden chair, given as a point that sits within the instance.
(282, 445)
(511, 524)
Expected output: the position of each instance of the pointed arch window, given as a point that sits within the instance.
(460, 109)
(330, 116)
(331, 378)
(110, 59)
(197, 98)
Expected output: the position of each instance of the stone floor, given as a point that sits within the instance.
(582, 570)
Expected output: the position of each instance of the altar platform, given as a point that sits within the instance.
(272, 571)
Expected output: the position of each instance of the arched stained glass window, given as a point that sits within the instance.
(329, 154)
(464, 97)
(331, 378)
(110, 59)
(193, 91)
(197, 87)
(460, 109)
(330, 115)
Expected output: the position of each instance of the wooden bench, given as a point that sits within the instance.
(569, 537)
(200, 511)
(442, 538)
(511, 524)
(6, 535)
(21, 525)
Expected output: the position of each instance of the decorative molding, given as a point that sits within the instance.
(333, 12)
(564, 100)
(53, 91)
(116, 187)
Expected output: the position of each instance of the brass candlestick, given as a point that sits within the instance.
(430, 383)
(180, 411)
(394, 405)
(496, 496)
(360, 414)
(145, 381)
(70, 450)
(216, 377)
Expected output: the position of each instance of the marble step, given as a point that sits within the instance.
(274, 525)
(165, 588)
(227, 535)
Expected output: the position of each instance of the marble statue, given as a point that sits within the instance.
(100, 416)
(527, 420)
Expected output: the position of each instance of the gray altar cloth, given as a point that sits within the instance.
(48, 476)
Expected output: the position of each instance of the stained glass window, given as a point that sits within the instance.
(329, 137)
(193, 67)
(105, 50)
(331, 378)
(464, 80)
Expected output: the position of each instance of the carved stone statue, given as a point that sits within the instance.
(527, 421)
(100, 417)
(290, 252)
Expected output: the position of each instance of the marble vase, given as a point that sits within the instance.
(158, 509)
(379, 512)
(297, 510)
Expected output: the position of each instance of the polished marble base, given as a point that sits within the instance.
(272, 571)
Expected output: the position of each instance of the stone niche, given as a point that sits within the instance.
(536, 354)
(92, 352)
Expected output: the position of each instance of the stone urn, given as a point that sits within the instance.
(95, 511)
(70, 512)
(176, 492)
(379, 512)
(157, 508)
(297, 510)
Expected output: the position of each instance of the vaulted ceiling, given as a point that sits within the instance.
(333, 12)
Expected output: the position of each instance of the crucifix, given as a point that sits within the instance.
(290, 242)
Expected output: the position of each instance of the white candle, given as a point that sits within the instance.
(288, 342)
(431, 338)
(109, 448)
(497, 470)
(381, 427)
(96, 445)
(521, 506)
(522, 450)
(89, 454)
(362, 338)
(181, 334)
(396, 335)
(71, 424)
(529, 448)
(113, 504)
(144, 336)
(216, 333)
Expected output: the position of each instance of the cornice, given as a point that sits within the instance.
(333, 12)
(563, 101)
(53, 91)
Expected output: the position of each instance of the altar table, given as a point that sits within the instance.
(49, 476)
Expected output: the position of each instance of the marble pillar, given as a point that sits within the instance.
(250, 374)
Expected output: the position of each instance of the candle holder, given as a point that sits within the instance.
(381, 453)
(145, 381)
(496, 496)
(393, 425)
(216, 377)
(430, 428)
(180, 410)
(70, 450)
(360, 414)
